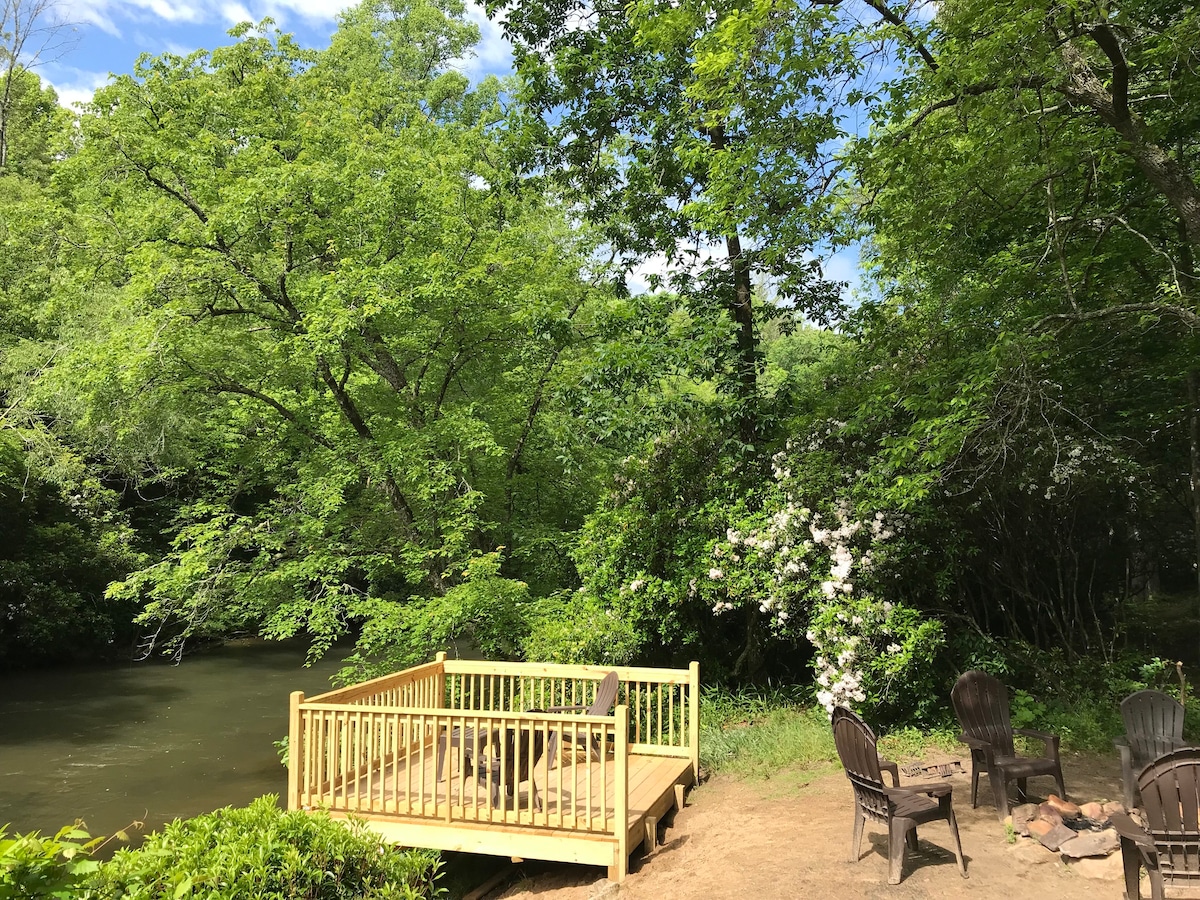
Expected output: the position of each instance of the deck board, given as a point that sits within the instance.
(586, 790)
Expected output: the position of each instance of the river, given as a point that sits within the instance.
(148, 741)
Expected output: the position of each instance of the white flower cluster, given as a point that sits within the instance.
(839, 683)
(849, 636)
(1079, 459)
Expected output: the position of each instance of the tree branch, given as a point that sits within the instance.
(1182, 313)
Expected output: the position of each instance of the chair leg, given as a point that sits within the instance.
(999, 792)
(1062, 788)
(974, 780)
(953, 823)
(1156, 884)
(897, 842)
(911, 839)
(856, 837)
(441, 754)
(1132, 861)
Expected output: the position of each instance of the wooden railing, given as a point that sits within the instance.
(423, 686)
(664, 711)
(373, 748)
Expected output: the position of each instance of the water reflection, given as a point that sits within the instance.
(148, 741)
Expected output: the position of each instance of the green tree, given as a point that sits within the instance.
(31, 32)
(306, 301)
(1023, 385)
(697, 131)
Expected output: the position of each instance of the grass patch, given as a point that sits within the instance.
(913, 743)
(758, 734)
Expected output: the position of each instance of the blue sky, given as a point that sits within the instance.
(109, 35)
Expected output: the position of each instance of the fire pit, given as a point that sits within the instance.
(1064, 827)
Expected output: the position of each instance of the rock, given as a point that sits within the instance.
(1094, 811)
(1113, 806)
(1050, 814)
(1056, 837)
(1031, 853)
(1100, 868)
(1066, 808)
(606, 890)
(1091, 843)
(1023, 814)
(1039, 827)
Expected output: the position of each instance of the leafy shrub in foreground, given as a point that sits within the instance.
(263, 852)
(32, 866)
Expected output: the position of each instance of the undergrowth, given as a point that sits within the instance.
(757, 733)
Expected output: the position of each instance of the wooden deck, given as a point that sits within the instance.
(656, 786)
(373, 751)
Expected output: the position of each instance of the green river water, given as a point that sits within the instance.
(148, 741)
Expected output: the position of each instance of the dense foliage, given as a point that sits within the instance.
(256, 851)
(335, 342)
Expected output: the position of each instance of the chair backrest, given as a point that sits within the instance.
(981, 705)
(606, 695)
(855, 744)
(1153, 724)
(1170, 789)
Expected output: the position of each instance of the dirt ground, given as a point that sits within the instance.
(790, 837)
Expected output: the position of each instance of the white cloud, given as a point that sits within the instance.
(105, 14)
(314, 11)
(690, 259)
(235, 14)
(493, 54)
(173, 10)
(75, 85)
(93, 12)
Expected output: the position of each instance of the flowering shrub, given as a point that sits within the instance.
(866, 648)
(799, 566)
(685, 561)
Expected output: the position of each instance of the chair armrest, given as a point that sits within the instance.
(930, 790)
(974, 743)
(1050, 740)
(893, 769)
(1121, 742)
(1131, 830)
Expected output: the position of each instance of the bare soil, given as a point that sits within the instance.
(789, 836)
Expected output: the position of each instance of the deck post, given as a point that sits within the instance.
(295, 750)
(694, 719)
(440, 690)
(618, 871)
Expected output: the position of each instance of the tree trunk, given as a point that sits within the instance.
(1193, 389)
(741, 310)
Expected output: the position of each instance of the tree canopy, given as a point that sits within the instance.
(337, 342)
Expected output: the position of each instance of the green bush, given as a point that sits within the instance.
(265, 853)
(32, 866)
